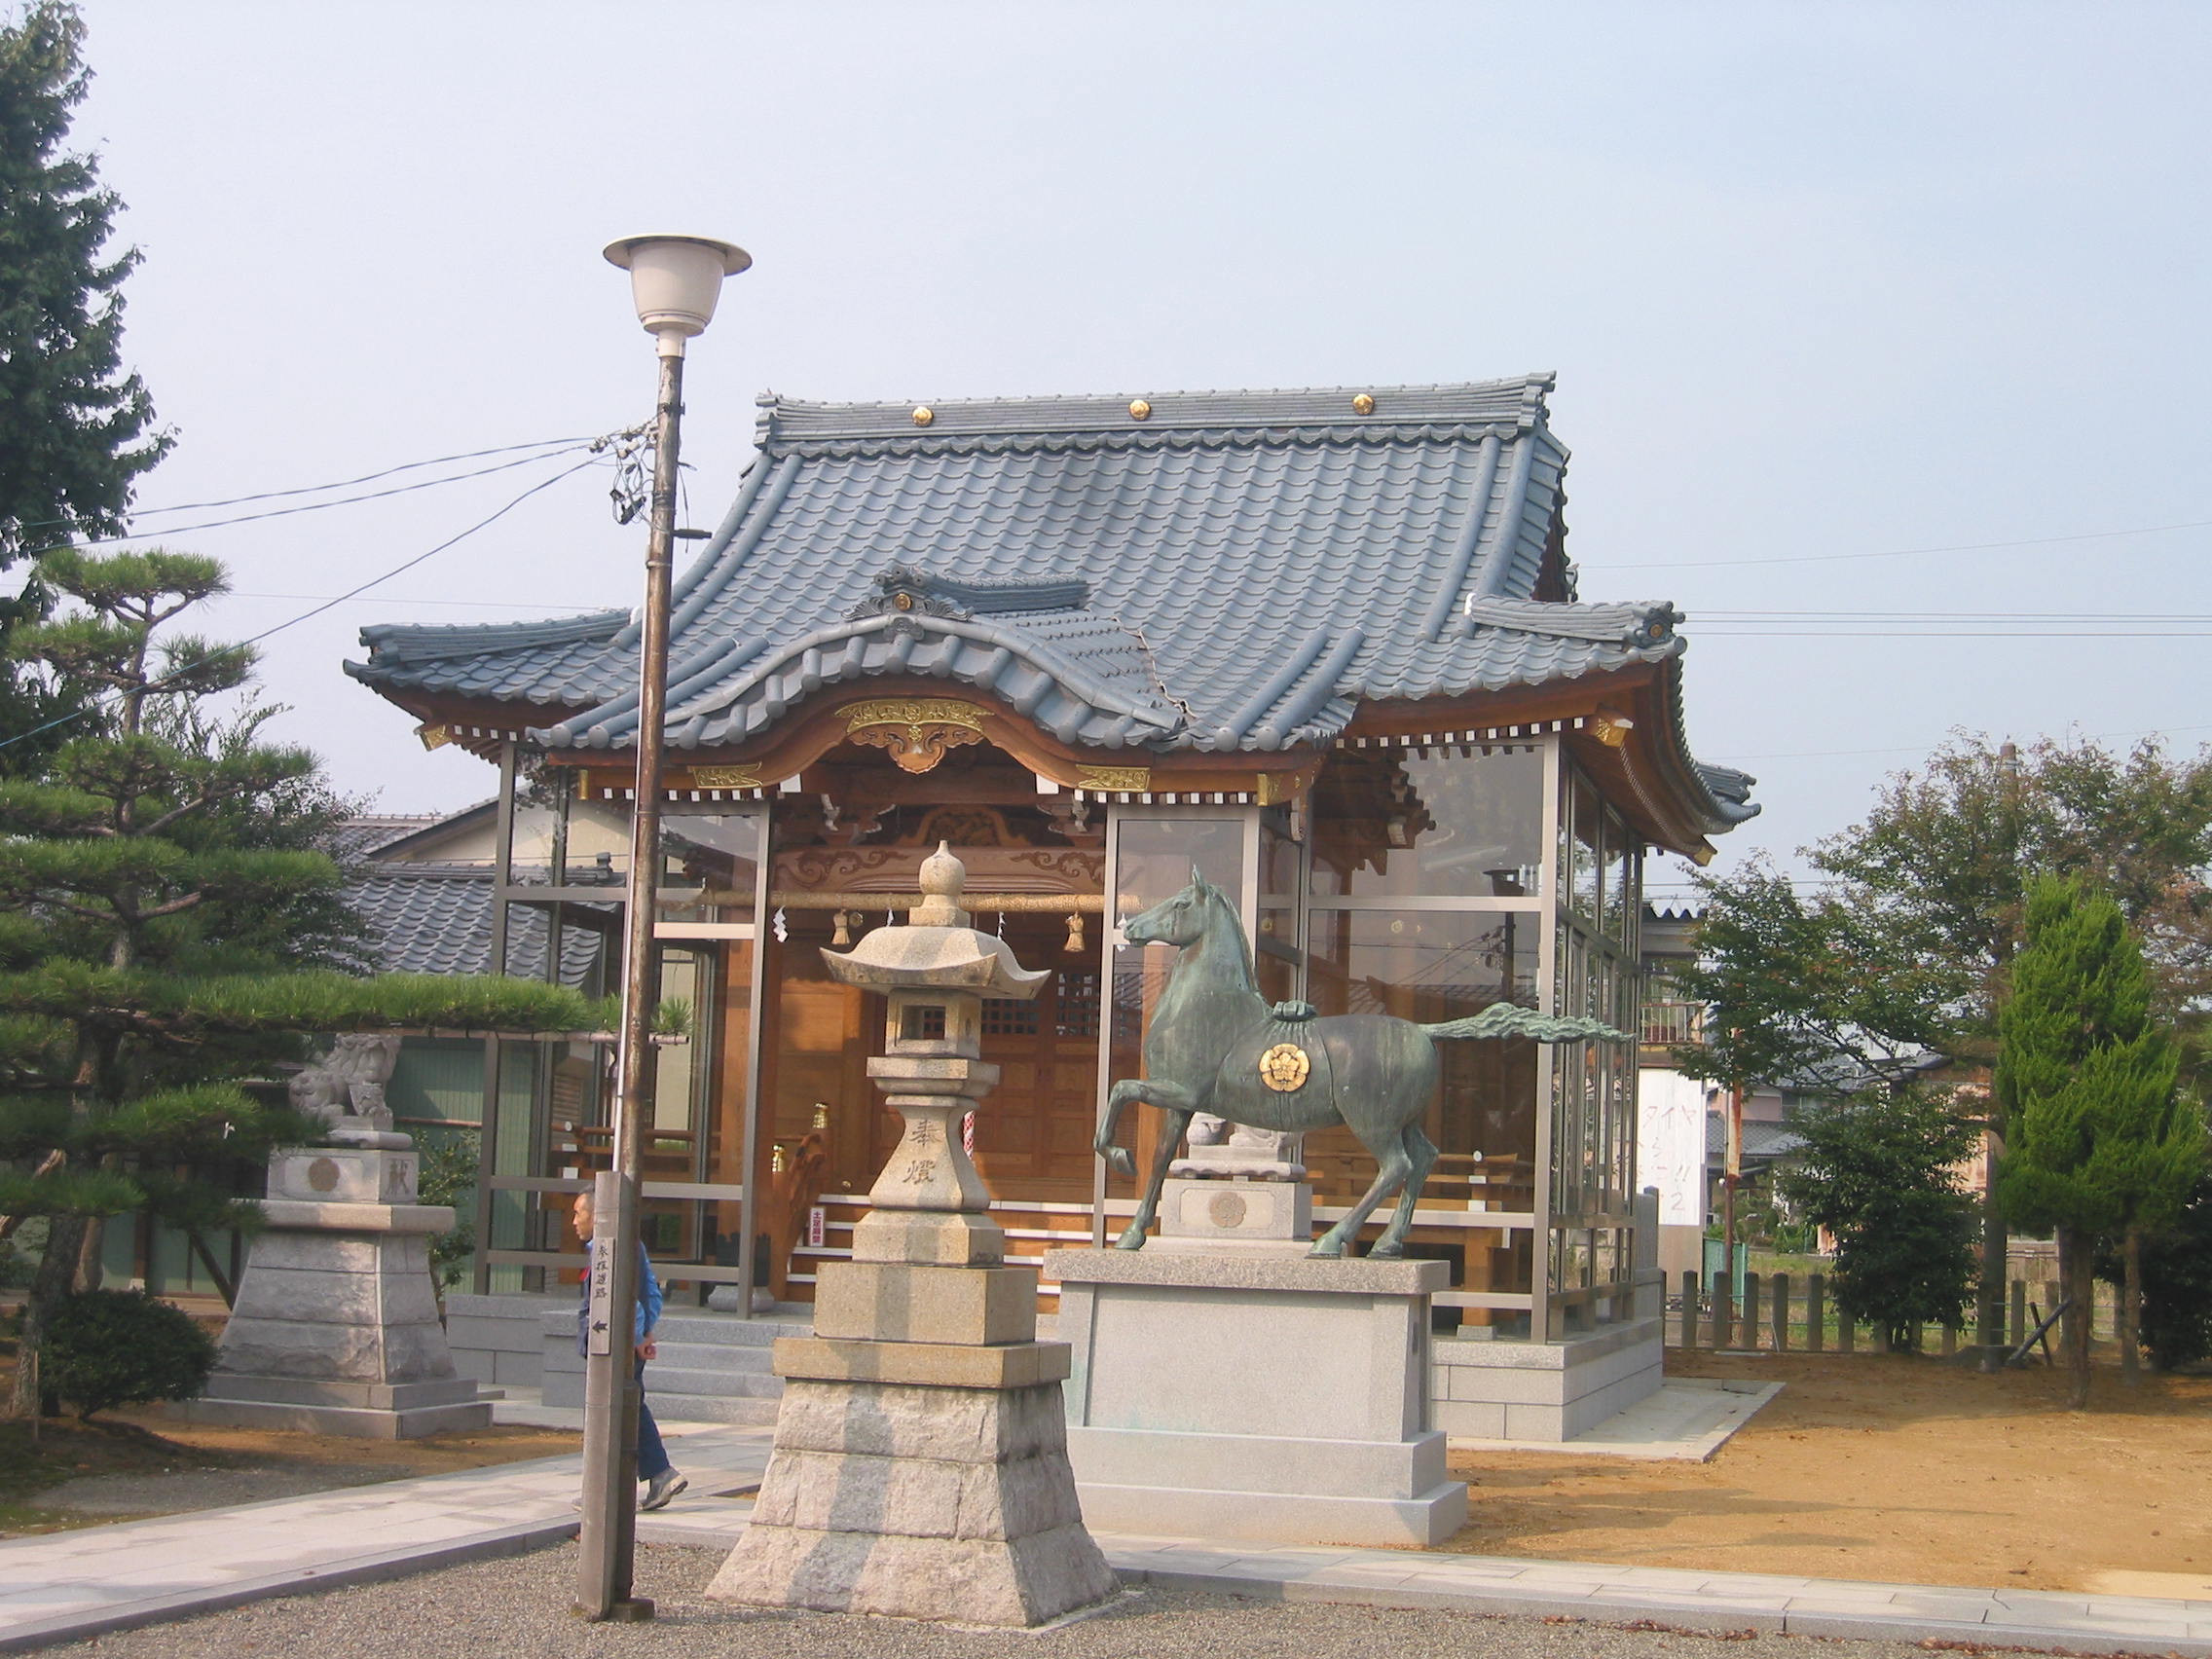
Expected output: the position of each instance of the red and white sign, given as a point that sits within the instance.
(817, 1227)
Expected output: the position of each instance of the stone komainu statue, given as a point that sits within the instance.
(344, 1090)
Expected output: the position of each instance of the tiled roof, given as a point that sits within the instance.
(1760, 1140)
(432, 918)
(1232, 571)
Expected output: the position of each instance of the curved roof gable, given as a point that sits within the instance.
(1210, 571)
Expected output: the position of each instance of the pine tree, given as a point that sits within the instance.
(167, 931)
(75, 431)
(2102, 1147)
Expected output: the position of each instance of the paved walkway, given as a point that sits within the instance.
(72, 1584)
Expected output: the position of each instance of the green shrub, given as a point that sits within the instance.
(122, 1347)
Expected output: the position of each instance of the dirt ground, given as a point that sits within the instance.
(126, 1464)
(1892, 1467)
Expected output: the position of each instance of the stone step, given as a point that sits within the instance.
(727, 1384)
(710, 1408)
(712, 1356)
(727, 1329)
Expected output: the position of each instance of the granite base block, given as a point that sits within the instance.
(1367, 1522)
(918, 1501)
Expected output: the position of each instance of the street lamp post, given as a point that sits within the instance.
(675, 282)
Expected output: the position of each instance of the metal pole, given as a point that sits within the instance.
(609, 1539)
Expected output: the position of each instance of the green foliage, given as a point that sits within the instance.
(2177, 1285)
(75, 431)
(2100, 1142)
(446, 1174)
(1877, 1172)
(1909, 943)
(171, 930)
(122, 1347)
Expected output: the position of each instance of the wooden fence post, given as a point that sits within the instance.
(1781, 1283)
(1748, 1330)
(1846, 1332)
(1723, 1312)
(1816, 1313)
(2019, 1312)
(1689, 1325)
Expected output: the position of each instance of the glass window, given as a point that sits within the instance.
(1583, 875)
(1440, 824)
(711, 864)
(1432, 966)
(1619, 891)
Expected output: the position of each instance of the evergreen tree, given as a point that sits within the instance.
(167, 931)
(2103, 1148)
(1908, 945)
(75, 431)
(2176, 1270)
(1877, 1171)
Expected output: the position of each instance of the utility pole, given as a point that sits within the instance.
(675, 282)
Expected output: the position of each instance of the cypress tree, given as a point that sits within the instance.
(2102, 1147)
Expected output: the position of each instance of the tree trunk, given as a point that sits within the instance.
(57, 1272)
(2078, 1273)
(90, 1267)
(2131, 1310)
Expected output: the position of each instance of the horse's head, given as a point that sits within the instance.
(1178, 921)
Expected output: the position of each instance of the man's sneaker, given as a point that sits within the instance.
(661, 1488)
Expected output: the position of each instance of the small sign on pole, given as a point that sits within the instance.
(817, 1227)
(599, 1322)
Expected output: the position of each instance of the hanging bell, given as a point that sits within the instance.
(1075, 932)
(843, 935)
(822, 1114)
(776, 1161)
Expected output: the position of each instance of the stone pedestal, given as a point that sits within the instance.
(336, 1328)
(1246, 1397)
(920, 1468)
(1264, 1217)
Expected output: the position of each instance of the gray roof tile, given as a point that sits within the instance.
(1251, 565)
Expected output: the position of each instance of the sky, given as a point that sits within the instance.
(1887, 309)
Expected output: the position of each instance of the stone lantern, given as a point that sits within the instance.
(920, 1466)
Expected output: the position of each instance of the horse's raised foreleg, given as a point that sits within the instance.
(1117, 1158)
(1172, 1101)
(1421, 1159)
(1392, 1169)
(1148, 1207)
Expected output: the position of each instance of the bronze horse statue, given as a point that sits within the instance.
(1215, 1044)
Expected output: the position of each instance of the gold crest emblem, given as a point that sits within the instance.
(1285, 1067)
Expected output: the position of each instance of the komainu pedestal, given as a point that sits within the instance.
(336, 1328)
(920, 1467)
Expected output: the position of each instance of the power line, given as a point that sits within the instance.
(308, 507)
(1925, 748)
(335, 484)
(317, 610)
(1904, 552)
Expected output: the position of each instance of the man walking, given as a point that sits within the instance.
(662, 1482)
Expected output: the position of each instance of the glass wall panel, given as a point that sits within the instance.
(1583, 874)
(1433, 824)
(1433, 966)
(711, 864)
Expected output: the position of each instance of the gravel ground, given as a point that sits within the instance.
(519, 1606)
(184, 1490)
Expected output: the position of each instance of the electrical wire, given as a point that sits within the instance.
(352, 592)
(309, 507)
(1903, 552)
(335, 484)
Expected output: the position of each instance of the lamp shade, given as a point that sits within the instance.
(676, 280)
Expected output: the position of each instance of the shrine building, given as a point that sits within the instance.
(1324, 645)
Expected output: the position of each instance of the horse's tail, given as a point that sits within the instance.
(1508, 1020)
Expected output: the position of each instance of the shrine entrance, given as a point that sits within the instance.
(1035, 878)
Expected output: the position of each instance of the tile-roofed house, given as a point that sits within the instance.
(1325, 646)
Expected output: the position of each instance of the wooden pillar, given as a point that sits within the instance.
(1749, 1327)
(1781, 1283)
(1815, 1312)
